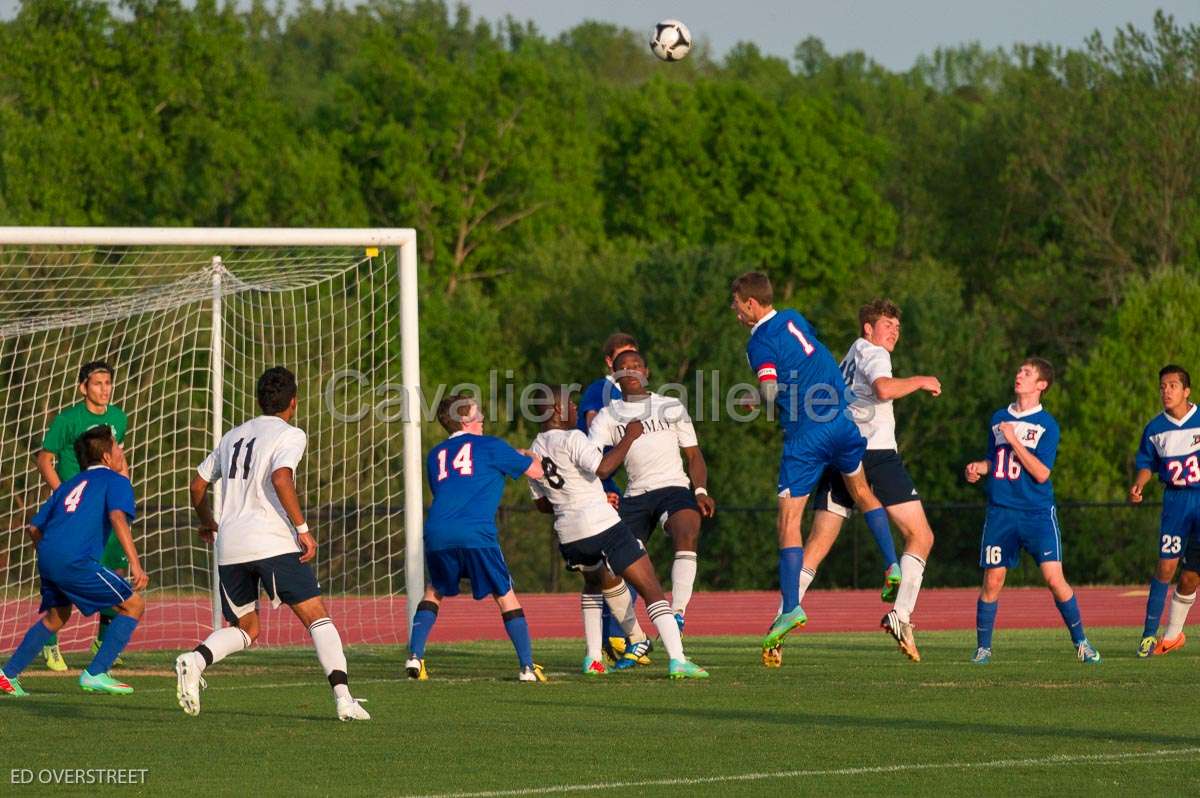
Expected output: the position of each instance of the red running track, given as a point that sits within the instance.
(175, 623)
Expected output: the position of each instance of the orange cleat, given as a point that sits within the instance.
(1166, 646)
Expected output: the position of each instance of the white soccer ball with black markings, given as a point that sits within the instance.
(672, 41)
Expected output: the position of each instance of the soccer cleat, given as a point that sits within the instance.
(784, 623)
(415, 668)
(593, 667)
(891, 584)
(1086, 653)
(685, 669)
(54, 658)
(902, 633)
(351, 709)
(614, 649)
(679, 622)
(102, 684)
(189, 682)
(11, 686)
(1166, 646)
(118, 662)
(773, 657)
(634, 655)
(1146, 647)
(532, 673)
(983, 656)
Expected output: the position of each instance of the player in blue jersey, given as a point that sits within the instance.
(1022, 446)
(70, 532)
(466, 474)
(800, 377)
(1171, 449)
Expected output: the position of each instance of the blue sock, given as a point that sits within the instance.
(1069, 610)
(518, 632)
(1154, 606)
(611, 627)
(985, 621)
(877, 522)
(31, 645)
(791, 561)
(423, 622)
(119, 632)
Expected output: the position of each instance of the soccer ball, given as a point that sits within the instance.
(671, 41)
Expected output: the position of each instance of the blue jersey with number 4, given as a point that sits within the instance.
(74, 521)
(784, 349)
(1171, 448)
(1009, 484)
(466, 474)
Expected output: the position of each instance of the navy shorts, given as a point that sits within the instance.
(886, 474)
(642, 513)
(88, 585)
(836, 444)
(616, 545)
(485, 568)
(283, 578)
(1180, 522)
(1006, 531)
(1191, 556)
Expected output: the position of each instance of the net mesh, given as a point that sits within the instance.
(329, 314)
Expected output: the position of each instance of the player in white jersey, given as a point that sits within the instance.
(867, 368)
(262, 543)
(594, 540)
(658, 487)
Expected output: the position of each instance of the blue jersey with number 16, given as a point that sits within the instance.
(74, 521)
(784, 349)
(466, 474)
(1009, 484)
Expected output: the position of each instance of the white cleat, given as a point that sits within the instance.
(189, 682)
(351, 709)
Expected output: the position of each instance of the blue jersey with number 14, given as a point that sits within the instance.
(74, 521)
(784, 349)
(1171, 449)
(1009, 484)
(466, 474)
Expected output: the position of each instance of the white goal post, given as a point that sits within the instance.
(188, 318)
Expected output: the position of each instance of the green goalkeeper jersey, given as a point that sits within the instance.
(68, 425)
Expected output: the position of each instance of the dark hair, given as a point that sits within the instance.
(275, 390)
(754, 285)
(618, 340)
(90, 368)
(1044, 369)
(453, 409)
(1171, 368)
(876, 309)
(93, 444)
(621, 358)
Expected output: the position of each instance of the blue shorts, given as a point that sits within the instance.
(1180, 522)
(87, 584)
(1006, 531)
(485, 568)
(836, 444)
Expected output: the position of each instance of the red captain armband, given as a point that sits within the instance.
(766, 373)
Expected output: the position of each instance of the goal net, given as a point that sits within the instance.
(189, 319)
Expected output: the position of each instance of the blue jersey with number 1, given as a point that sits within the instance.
(1009, 484)
(784, 349)
(74, 521)
(466, 474)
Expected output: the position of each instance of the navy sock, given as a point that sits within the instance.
(518, 632)
(791, 562)
(1154, 606)
(877, 522)
(31, 645)
(422, 625)
(119, 632)
(985, 621)
(1069, 610)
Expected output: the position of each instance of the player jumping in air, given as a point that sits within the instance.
(263, 543)
(867, 368)
(70, 532)
(796, 372)
(466, 474)
(1171, 448)
(595, 540)
(1022, 446)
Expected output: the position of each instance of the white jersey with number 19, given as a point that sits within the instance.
(253, 524)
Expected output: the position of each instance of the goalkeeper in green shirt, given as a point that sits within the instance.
(57, 463)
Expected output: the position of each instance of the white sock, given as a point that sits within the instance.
(223, 642)
(328, 644)
(912, 571)
(620, 604)
(668, 630)
(683, 579)
(592, 605)
(1180, 606)
(806, 578)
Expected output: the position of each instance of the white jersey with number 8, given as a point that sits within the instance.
(569, 461)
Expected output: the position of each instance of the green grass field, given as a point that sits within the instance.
(846, 713)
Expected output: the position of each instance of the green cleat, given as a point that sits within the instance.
(983, 656)
(891, 584)
(102, 684)
(685, 669)
(783, 624)
(11, 686)
(593, 667)
(1146, 647)
(1087, 654)
(54, 658)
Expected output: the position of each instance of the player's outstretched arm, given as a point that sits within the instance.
(285, 488)
(199, 495)
(613, 458)
(1029, 461)
(120, 524)
(535, 468)
(1144, 475)
(887, 388)
(698, 472)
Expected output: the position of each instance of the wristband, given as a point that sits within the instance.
(302, 529)
(701, 491)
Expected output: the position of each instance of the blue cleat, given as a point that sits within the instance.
(1087, 653)
(634, 655)
(983, 656)
(783, 624)
(679, 621)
